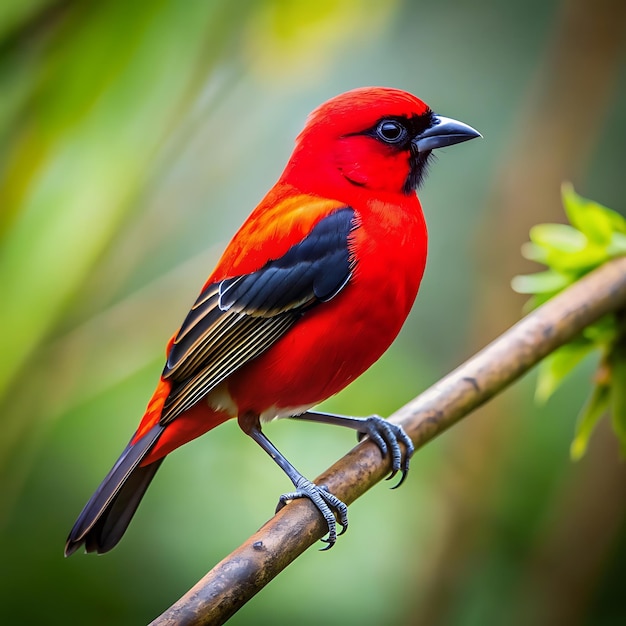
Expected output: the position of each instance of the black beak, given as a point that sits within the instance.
(443, 132)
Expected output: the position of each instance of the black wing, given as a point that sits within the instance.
(237, 319)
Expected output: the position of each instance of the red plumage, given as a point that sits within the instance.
(311, 290)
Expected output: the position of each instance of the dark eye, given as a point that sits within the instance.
(391, 131)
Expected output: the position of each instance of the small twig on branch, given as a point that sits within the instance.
(236, 579)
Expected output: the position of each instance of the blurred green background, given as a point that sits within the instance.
(134, 139)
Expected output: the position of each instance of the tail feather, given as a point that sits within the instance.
(106, 516)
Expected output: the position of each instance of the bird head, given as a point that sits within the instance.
(373, 138)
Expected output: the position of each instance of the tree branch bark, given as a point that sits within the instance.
(236, 579)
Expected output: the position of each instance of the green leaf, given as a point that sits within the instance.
(618, 393)
(617, 246)
(590, 218)
(579, 262)
(562, 237)
(591, 412)
(555, 367)
(569, 251)
(541, 282)
(534, 252)
(603, 332)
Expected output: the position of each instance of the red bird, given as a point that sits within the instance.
(311, 291)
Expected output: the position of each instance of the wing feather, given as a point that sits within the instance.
(250, 344)
(238, 318)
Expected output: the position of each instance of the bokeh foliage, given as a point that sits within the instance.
(595, 235)
(134, 139)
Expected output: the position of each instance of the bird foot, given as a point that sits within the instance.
(388, 436)
(325, 502)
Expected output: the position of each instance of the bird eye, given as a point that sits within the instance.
(391, 131)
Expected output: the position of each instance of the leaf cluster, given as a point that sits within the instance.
(594, 235)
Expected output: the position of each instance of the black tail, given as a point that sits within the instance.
(106, 516)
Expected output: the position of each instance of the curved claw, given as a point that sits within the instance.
(393, 473)
(387, 436)
(326, 503)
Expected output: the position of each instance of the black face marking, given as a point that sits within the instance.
(398, 132)
(419, 162)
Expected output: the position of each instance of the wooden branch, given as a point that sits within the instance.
(236, 579)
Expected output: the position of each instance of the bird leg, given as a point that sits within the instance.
(386, 435)
(325, 502)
